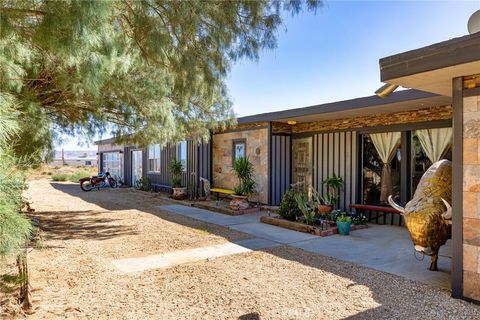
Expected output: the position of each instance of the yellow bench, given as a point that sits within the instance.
(223, 191)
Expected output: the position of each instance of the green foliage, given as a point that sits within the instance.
(334, 186)
(15, 228)
(288, 207)
(60, 177)
(302, 203)
(72, 177)
(143, 184)
(343, 217)
(154, 69)
(244, 170)
(176, 169)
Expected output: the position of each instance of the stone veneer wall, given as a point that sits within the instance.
(386, 119)
(257, 152)
(471, 197)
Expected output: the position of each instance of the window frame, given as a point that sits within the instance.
(236, 142)
(154, 156)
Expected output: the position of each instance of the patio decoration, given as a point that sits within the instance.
(176, 169)
(425, 216)
(386, 144)
(206, 187)
(326, 202)
(246, 187)
(343, 223)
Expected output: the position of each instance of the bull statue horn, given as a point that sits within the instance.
(447, 214)
(395, 206)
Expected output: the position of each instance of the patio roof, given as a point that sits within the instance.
(398, 101)
(432, 68)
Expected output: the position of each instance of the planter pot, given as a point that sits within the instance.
(179, 193)
(343, 228)
(239, 202)
(325, 209)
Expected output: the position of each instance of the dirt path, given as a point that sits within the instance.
(74, 277)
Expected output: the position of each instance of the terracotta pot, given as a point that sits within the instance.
(179, 193)
(239, 202)
(324, 209)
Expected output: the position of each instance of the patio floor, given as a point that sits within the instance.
(385, 248)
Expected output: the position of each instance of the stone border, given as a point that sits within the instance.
(301, 227)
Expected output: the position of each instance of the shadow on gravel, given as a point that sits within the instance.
(66, 225)
(144, 201)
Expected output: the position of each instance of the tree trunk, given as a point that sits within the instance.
(25, 297)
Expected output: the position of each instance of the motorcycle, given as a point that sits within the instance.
(103, 180)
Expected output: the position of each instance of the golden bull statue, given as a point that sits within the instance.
(425, 216)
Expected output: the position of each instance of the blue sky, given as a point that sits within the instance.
(333, 55)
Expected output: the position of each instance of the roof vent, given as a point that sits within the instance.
(473, 24)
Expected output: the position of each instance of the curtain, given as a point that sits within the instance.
(386, 145)
(435, 142)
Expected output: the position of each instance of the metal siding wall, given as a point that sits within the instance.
(335, 154)
(127, 166)
(280, 167)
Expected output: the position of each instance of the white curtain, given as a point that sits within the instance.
(435, 142)
(386, 144)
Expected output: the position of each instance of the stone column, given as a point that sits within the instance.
(471, 197)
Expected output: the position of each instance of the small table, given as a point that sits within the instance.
(220, 190)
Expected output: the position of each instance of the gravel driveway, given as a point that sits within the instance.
(73, 277)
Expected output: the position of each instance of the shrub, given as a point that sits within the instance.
(143, 184)
(176, 169)
(288, 207)
(244, 170)
(308, 213)
(60, 177)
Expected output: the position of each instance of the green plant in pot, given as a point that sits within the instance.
(244, 171)
(176, 169)
(327, 201)
(343, 224)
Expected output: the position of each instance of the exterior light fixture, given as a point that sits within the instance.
(292, 122)
(385, 90)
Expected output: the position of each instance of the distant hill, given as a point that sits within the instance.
(75, 154)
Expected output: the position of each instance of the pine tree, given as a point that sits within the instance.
(146, 70)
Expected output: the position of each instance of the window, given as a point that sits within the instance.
(429, 146)
(111, 163)
(154, 158)
(239, 149)
(381, 167)
(182, 154)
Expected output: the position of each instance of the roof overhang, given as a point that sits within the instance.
(432, 68)
(399, 101)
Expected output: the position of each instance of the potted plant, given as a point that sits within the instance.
(343, 223)
(246, 184)
(327, 201)
(176, 169)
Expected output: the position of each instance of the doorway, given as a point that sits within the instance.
(137, 166)
(302, 162)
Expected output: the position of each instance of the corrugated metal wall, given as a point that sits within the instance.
(198, 165)
(280, 174)
(336, 154)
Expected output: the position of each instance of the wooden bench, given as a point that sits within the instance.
(164, 187)
(380, 211)
(219, 191)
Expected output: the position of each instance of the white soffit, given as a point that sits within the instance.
(437, 81)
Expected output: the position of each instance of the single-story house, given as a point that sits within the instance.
(379, 146)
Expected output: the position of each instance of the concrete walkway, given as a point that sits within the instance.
(385, 248)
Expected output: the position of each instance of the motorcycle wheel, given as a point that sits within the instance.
(112, 182)
(86, 185)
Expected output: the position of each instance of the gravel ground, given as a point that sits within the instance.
(73, 277)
